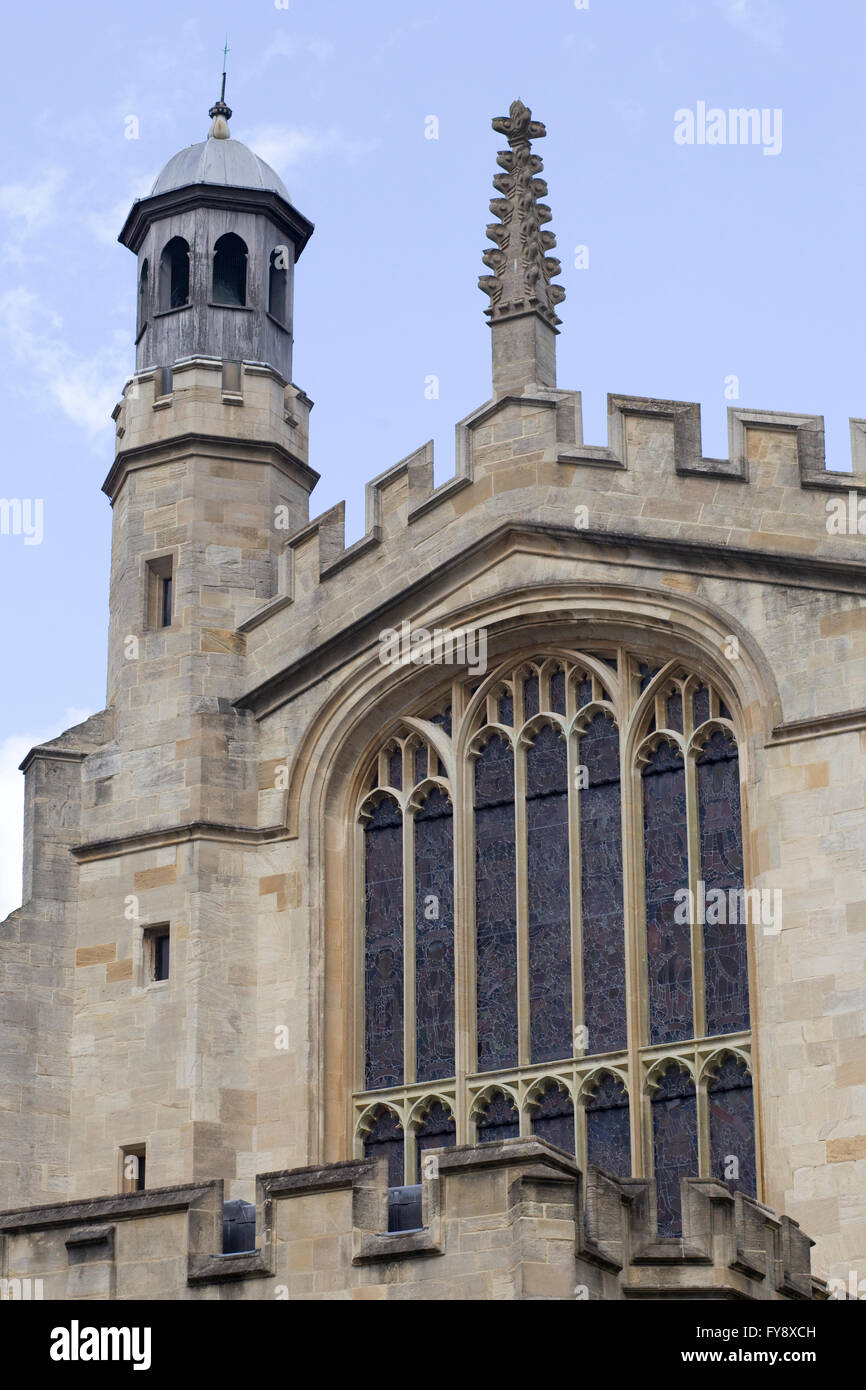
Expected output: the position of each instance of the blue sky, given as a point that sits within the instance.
(705, 261)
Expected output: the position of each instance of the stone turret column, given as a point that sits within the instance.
(523, 320)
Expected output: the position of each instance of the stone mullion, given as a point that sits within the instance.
(697, 932)
(409, 1048)
(524, 1050)
(465, 1060)
(358, 1049)
(635, 923)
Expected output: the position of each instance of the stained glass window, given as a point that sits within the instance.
(436, 1131)
(675, 1144)
(726, 973)
(666, 860)
(495, 907)
(550, 1026)
(385, 1140)
(732, 1126)
(498, 1119)
(553, 1118)
(701, 705)
(601, 888)
(674, 712)
(434, 938)
(395, 769)
(383, 953)
(557, 692)
(607, 1128)
(530, 697)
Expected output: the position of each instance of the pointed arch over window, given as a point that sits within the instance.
(434, 938)
(608, 1138)
(732, 1126)
(143, 296)
(549, 893)
(675, 1143)
(553, 1116)
(174, 274)
(383, 954)
(497, 1119)
(278, 284)
(230, 270)
(435, 1131)
(495, 906)
(385, 1139)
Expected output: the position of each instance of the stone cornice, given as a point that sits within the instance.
(141, 840)
(180, 446)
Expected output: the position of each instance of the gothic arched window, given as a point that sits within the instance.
(436, 1130)
(384, 1139)
(174, 274)
(230, 271)
(554, 905)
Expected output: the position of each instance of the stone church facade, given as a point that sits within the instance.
(484, 901)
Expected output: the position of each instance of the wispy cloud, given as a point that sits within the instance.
(762, 20)
(85, 388)
(285, 146)
(28, 209)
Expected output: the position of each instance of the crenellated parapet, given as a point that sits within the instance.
(511, 1220)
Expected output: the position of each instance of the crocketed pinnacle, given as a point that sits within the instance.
(522, 271)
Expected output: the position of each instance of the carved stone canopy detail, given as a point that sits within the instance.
(522, 270)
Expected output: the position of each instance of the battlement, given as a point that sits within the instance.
(522, 458)
(508, 1220)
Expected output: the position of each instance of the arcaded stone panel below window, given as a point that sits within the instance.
(434, 938)
(437, 1131)
(550, 1020)
(383, 946)
(602, 926)
(732, 1127)
(385, 1140)
(667, 871)
(553, 1120)
(607, 1128)
(495, 907)
(675, 1144)
(726, 971)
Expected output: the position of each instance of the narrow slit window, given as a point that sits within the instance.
(133, 1162)
(157, 949)
(160, 591)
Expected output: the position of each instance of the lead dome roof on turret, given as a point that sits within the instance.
(227, 162)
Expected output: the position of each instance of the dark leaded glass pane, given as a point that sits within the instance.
(434, 938)
(646, 674)
(444, 719)
(724, 712)
(385, 1140)
(557, 692)
(701, 706)
(499, 1120)
(607, 1128)
(674, 717)
(553, 1119)
(584, 693)
(437, 1131)
(675, 1141)
(395, 769)
(530, 697)
(726, 971)
(667, 871)
(383, 945)
(732, 1127)
(550, 1025)
(495, 907)
(601, 888)
(506, 709)
(420, 764)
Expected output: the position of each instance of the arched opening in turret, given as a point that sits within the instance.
(278, 284)
(143, 287)
(174, 274)
(230, 271)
